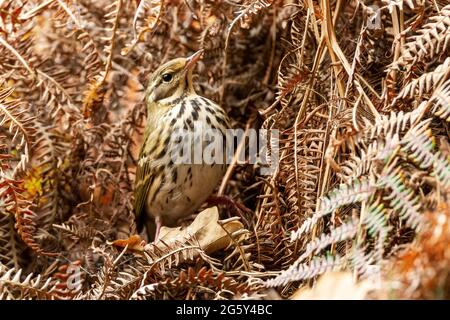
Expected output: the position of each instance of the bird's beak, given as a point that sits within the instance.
(192, 60)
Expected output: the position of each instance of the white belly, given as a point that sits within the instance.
(194, 184)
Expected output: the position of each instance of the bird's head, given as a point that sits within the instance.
(172, 80)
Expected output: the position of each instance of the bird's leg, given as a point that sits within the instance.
(158, 223)
(227, 201)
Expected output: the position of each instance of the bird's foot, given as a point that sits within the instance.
(158, 222)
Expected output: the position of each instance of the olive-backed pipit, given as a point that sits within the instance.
(165, 190)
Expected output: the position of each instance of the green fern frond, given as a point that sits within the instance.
(402, 199)
(357, 191)
(441, 166)
(378, 142)
(306, 271)
(419, 144)
(362, 261)
(375, 219)
(345, 231)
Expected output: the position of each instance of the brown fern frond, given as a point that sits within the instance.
(12, 194)
(70, 280)
(194, 284)
(252, 8)
(429, 41)
(47, 155)
(11, 246)
(425, 83)
(94, 95)
(74, 232)
(152, 10)
(358, 91)
(171, 256)
(20, 58)
(126, 283)
(70, 22)
(401, 4)
(12, 287)
(441, 99)
(55, 96)
(14, 117)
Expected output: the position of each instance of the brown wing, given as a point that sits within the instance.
(144, 176)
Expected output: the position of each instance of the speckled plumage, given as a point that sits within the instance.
(164, 191)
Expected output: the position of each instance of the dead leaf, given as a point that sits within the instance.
(206, 229)
(134, 243)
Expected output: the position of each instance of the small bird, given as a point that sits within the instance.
(166, 191)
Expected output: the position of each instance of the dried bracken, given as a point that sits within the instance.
(360, 95)
(421, 271)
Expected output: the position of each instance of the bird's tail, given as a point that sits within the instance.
(150, 226)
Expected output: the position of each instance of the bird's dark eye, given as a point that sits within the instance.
(167, 77)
